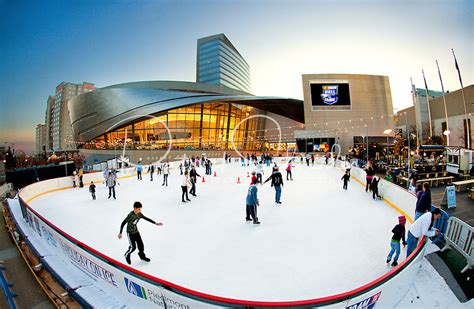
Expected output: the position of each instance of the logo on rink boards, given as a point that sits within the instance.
(368, 303)
(152, 296)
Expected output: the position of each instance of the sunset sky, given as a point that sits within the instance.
(43, 43)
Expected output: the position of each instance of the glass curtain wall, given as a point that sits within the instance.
(202, 126)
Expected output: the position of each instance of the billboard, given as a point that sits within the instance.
(330, 95)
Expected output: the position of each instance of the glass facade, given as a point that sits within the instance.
(201, 126)
(220, 64)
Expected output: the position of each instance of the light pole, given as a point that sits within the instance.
(387, 132)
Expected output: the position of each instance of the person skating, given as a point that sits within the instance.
(151, 169)
(193, 176)
(368, 178)
(80, 175)
(374, 187)
(92, 189)
(422, 226)
(308, 157)
(139, 170)
(289, 176)
(134, 238)
(75, 179)
(252, 203)
(184, 186)
(346, 177)
(166, 172)
(312, 159)
(398, 234)
(111, 182)
(259, 172)
(277, 183)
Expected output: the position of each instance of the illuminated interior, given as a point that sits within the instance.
(200, 126)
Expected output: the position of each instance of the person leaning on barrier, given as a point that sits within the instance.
(422, 227)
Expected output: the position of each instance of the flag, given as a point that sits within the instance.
(457, 68)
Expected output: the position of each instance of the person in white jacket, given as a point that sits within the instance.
(422, 227)
(184, 186)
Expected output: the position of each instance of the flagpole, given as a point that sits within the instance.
(413, 92)
(428, 103)
(445, 108)
(464, 101)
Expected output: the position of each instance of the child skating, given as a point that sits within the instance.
(92, 190)
(398, 234)
(346, 177)
(134, 238)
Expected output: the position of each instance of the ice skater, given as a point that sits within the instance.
(346, 177)
(398, 234)
(259, 172)
(139, 170)
(374, 187)
(184, 187)
(75, 179)
(289, 176)
(277, 183)
(111, 182)
(134, 238)
(166, 172)
(422, 226)
(92, 189)
(252, 203)
(151, 170)
(193, 176)
(368, 178)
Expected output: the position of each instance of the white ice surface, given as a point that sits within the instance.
(320, 241)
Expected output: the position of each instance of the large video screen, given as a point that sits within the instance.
(330, 95)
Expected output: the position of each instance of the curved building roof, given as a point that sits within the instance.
(95, 113)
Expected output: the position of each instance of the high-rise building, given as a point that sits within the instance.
(62, 138)
(48, 120)
(40, 139)
(220, 63)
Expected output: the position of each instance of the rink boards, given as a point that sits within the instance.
(99, 280)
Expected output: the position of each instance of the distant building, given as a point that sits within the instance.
(40, 139)
(62, 138)
(48, 120)
(422, 113)
(220, 63)
(456, 115)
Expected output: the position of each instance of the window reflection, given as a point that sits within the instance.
(202, 126)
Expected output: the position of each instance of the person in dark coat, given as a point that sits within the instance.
(277, 183)
(374, 187)
(193, 174)
(423, 204)
(346, 177)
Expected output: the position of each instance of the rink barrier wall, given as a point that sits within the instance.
(116, 277)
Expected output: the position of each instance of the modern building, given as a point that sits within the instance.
(346, 109)
(49, 125)
(455, 121)
(150, 117)
(40, 139)
(220, 63)
(60, 124)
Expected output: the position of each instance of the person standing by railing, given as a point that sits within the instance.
(398, 234)
(423, 203)
(139, 170)
(422, 227)
(370, 174)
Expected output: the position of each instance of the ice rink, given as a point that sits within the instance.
(321, 241)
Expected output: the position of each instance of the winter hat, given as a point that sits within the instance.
(402, 220)
(137, 205)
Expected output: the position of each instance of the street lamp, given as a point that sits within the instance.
(387, 132)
